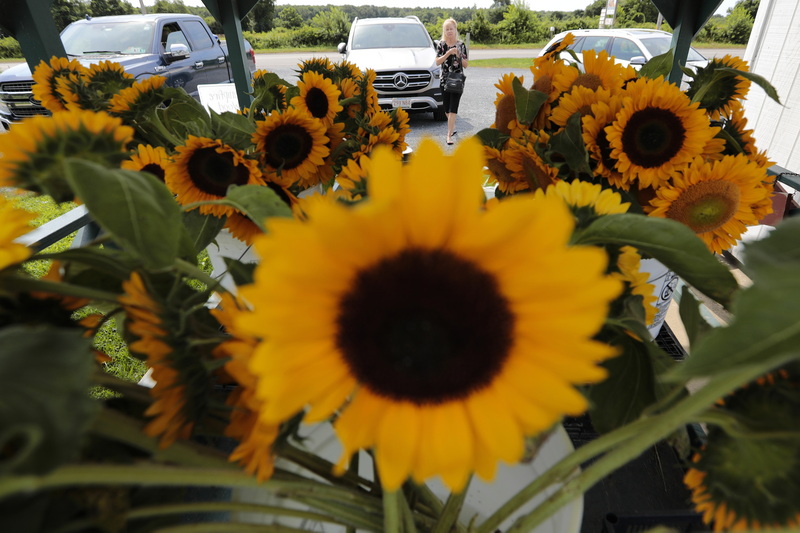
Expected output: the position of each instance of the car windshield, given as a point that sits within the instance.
(108, 38)
(661, 44)
(369, 36)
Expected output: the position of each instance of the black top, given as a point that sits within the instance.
(452, 63)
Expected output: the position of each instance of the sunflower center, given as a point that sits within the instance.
(287, 146)
(155, 170)
(213, 172)
(605, 150)
(706, 206)
(592, 81)
(543, 84)
(652, 137)
(505, 113)
(317, 102)
(424, 326)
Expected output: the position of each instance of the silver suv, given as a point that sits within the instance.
(632, 46)
(403, 56)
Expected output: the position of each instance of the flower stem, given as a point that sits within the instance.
(635, 437)
(451, 510)
(191, 270)
(224, 506)
(391, 512)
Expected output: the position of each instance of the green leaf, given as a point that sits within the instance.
(766, 321)
(201, 230)
(632, 384)
(770, 260)
(234, 129)
(527, 102)
(567, 145)
(492, 137)
(185, 116)
(241, 272)
(45, 407)
(107, 260)
(693, 322)
(135, 207)
(660, 65)
(670, 242)
(755, 78)
(258, 203)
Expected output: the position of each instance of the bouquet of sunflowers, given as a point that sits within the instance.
(430, 332)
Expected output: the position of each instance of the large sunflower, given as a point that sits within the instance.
(46, 86)
(715, 199)
(432, 337)
(319, 97)
(13, 224)
(34, 150)
(657, 131)
(292, 145)
(203, 169)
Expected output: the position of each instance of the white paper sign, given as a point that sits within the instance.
(220, 97)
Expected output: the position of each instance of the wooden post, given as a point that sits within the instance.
(686, 18)
(37, 34)
(230, 14)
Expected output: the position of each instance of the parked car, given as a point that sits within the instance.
(402, 54)
(180, 47)
(631, 46)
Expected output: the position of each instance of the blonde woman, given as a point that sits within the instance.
(451, 55)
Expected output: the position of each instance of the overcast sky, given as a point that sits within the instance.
(536, 5)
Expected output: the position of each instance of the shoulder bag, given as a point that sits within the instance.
(454, 83)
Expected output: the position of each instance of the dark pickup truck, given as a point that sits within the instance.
(180, 47)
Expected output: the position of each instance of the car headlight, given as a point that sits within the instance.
(437, 71)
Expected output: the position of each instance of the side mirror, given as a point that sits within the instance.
(176, 51)
(638, 61)
(342, 48)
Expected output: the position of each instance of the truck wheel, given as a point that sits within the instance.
(439, 114)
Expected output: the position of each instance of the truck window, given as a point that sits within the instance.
(197, 33)
(119, 37)
(172, 34)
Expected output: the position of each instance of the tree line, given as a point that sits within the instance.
(510, 22)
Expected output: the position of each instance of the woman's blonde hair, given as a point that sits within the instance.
(455, 25)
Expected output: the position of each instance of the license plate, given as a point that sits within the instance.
(401, 102)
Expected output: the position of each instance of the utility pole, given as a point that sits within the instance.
(142, 7)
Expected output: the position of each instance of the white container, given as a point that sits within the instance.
(482, 498)
(664, 283)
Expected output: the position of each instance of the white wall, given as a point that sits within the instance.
(773, 52)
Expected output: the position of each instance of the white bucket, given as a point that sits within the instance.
(664, 283)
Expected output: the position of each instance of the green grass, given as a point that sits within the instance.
(107, 340)
(505, 62)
